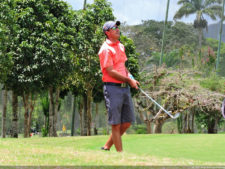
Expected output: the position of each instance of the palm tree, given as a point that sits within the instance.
(210, 8)
(84, 6)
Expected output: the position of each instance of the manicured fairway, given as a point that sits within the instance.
(139, 150)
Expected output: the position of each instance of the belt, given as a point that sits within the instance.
(116, 84)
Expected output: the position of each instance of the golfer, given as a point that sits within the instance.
(116, 85)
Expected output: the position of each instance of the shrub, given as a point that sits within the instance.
(140, 129)
(214, 83)
(44, 132)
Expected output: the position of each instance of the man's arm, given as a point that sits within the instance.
(113, 73)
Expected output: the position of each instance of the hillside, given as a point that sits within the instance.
(213, 31)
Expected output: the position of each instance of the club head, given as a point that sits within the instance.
(176, 115)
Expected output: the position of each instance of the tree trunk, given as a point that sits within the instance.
(193, 121)
(187, 128)
(158, 126)
(148, 124)
(107, 126)
(180, 123)
(26, 108)
(85, 129)
(4, 109)
(73, 115)
(89, 118)
(84, 6)
(200, 38)
(15, 115)
(56, 106)
(212, 126)
(31, 109)
(81, 106)
(96, 119)
(53, 111)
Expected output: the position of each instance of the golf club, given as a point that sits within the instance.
(172, 116)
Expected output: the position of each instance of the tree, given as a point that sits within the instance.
(210, 8)
(90, 36)
(42, 53)
(7, 32)
(197, 98)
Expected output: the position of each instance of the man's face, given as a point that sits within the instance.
(113, 33)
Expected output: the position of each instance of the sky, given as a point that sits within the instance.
(134, 11)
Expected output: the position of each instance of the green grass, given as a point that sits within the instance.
(139, 150)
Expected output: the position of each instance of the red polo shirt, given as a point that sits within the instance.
(112, 54)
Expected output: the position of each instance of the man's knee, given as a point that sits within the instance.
(116, 127)
(126, 125)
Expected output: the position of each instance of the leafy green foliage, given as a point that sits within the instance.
(7, 28)
(221, 70)
(208, 120)
(88, 24)
(43, 45)
(44, 132)
(213, 43)
(147, 38)
(171, 59)
(214, 83)
(132, 63)
(175, 58)
(140, 129)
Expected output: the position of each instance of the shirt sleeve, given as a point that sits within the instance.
(105, 58)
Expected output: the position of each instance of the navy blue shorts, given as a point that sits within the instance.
(119, 104)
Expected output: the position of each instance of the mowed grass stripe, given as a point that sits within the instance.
(161, 149)
(202, 147)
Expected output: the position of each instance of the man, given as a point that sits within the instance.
(116, 89)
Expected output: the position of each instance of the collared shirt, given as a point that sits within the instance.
(112, 54)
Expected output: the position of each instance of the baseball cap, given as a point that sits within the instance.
(110, 24)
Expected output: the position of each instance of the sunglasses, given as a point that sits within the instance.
(115, 27)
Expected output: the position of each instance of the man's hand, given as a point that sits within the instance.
(133, 83)
(113, 73)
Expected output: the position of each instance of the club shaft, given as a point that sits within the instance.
(156, 103)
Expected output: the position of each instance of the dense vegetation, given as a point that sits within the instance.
(186, 83)
(47, 51)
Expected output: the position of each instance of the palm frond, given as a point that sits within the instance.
(185, 10)
(212, 2)
(213, 12)
(198, 4)
(183, 2)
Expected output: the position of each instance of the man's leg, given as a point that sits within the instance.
(116, 137)
(122, 129)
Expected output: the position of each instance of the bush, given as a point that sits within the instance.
(44, 132)
(214, 83)
(140, 129)
(104, 131)
(78, 131)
